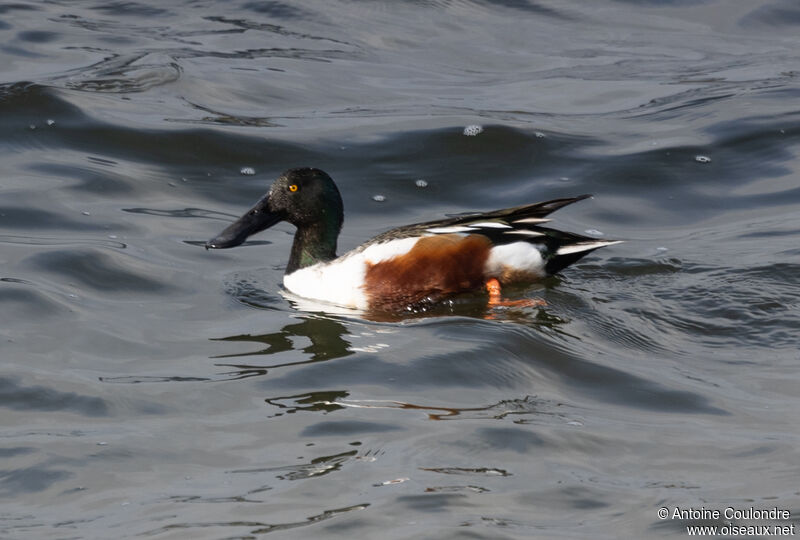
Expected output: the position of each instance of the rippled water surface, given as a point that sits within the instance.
(150, 388)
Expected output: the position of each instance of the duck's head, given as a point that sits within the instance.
(307, 198)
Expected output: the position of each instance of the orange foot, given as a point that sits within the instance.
(496, 299)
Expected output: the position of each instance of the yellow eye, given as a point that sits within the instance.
(293, 188)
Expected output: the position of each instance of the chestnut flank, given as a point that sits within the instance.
(436, 267)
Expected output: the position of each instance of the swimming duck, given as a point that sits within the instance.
(407, 267)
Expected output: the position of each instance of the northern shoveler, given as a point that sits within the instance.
(409, 266)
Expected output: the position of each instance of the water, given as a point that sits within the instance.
(152, 389)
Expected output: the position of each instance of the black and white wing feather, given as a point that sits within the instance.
(519, 224)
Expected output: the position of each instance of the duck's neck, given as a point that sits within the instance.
(313, 244)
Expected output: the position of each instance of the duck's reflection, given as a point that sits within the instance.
(327, 343)
(324, 401)
(327, 334)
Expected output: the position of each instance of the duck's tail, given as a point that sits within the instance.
(566, 253)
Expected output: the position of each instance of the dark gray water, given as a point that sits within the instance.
(149, 388)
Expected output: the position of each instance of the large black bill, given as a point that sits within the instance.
(256, 220)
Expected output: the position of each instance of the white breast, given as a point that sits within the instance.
(341, 281)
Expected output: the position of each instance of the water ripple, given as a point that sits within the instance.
(125, 74)
(45, 241)
(97, 271)
(17, 396)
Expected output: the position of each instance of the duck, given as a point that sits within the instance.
(409, 267)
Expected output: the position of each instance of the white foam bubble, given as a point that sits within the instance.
(472, 130)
